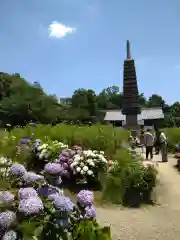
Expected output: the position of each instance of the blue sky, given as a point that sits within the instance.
(70, 44)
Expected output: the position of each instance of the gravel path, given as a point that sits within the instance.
(152, 222)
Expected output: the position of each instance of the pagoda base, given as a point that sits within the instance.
(132, 124)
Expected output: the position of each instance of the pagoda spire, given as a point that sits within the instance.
(128, 50)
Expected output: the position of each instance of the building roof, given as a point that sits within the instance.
(146, 113)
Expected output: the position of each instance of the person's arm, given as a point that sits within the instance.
(145, 139)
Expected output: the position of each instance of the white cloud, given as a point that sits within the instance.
(59, 30)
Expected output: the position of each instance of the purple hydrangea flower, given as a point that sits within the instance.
(31, 206)
(72, 153)
(7, 219)
(17, 170)
(10, 235)
(62, 158)
(52, 197)
(53, 168)
(45, 191)
(90, 212)
(63, 204)
(25, 140)
(65, 153)
(25, 193)
(85, 198)
(6, 197)
(65, 166)
(31, 177)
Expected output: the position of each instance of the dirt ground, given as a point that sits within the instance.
(160, 222)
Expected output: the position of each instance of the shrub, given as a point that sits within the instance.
(129, 182)
(173, 135)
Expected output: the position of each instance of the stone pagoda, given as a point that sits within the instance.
(130, 107)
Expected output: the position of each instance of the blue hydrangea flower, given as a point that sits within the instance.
(31, 177)
(6, 197)
(47, 190)
(31, 206)
(7, 219)
(90, 212)
(63, 204)
(53, 168)
(10, 235)
(85, 198)
(17, 170)
(25, 193)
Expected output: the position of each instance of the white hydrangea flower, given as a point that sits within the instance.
(82, 172)
(85, 168)
(89, 160)
(81, 164)
(4, 171)
(102, 152)
(92, 164)
(74, 164)
(89, 153)
(77, 158)
(102, 158)
(41, 156)
(44, 151)
(5, 161)
(90, 172)
(62, 145)
(78, 169)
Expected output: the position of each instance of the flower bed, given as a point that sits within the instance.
(33, 208)
(114, 171)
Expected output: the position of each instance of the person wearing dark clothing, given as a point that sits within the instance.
(157, 143)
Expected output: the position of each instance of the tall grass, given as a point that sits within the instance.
(98, 137)
(173, 135)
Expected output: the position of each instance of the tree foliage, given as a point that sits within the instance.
(21, 102)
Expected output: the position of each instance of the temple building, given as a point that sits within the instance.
(132, 116)
(147, 117)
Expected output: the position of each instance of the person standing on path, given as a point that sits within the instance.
(149, 143)
(163, 141)
(157, 143)
(142, 140)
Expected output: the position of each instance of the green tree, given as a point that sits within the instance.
(21, 102)
(155, 101)
(85, 99)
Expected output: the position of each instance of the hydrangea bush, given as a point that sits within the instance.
(48, 151)
(36, 209)
(83, 164)
(75, 163)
